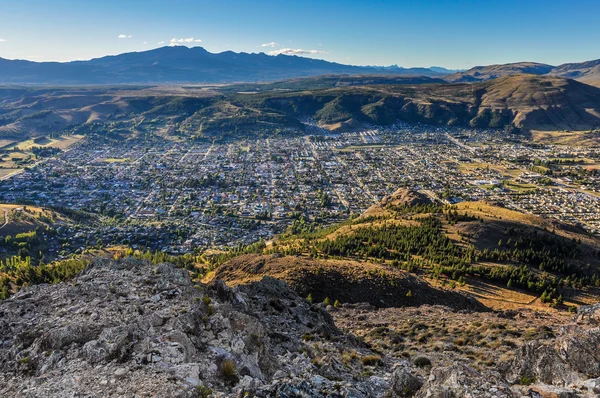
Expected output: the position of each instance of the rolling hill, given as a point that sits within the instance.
(526, 102)
(586, 72)
(482, 73)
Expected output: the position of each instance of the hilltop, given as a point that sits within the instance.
(24, 230)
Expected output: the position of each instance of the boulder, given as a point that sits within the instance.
(404, 384)
(461, 381)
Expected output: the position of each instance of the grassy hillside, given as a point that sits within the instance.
(482, 73)
(501, 257)
(586, 72)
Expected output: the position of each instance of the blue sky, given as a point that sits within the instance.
(451, 33)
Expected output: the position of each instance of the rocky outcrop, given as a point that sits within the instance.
(461, 381)
(406, 197)
(130, 328)
(404, 383)
(569, 366)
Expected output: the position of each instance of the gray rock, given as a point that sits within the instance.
(404, 384)
(148, 332)
(461, 381)
(120, 372)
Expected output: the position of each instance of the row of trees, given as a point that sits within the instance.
(16, 272)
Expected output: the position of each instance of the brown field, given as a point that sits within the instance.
(573, 138)
(63, 142)
(4, 143)
(5, 173)
(465, 168)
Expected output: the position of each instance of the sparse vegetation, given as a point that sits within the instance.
(422, 362)
(228, 371)
(371, 360)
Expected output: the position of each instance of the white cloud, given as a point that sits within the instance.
(122, 36)
(2, 40)
(145, 42)
(271, 44)
(296, 51)
(175, 41)
(161, 42)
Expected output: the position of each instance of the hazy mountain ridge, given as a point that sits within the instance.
(183, 65)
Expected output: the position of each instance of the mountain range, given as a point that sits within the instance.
(180, 64)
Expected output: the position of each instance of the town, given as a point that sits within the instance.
(178, 196)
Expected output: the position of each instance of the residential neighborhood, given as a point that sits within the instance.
(177, 197)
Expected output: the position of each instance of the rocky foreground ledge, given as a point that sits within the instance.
(128, 328)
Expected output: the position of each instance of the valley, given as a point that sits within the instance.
(201, 196)
(299, 199)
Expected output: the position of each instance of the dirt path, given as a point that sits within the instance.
(5, 219)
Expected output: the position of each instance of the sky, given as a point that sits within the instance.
(455, 34)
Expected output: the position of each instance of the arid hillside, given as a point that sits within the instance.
(488, 72)
(520, 102)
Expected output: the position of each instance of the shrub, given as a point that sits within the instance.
(308, 337)
(422, 362)
(203, 391)
(371, 360)
(229, 371)
(327, 301)
(525, 381)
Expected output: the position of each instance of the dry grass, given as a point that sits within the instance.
(572, 138)
(228, 370)
(8, 172)
(371, 360)
(63, 142)
(4, 143)
(481, 338)
(26, 221)
(116, 160)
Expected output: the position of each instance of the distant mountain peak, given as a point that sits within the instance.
(182, 64)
